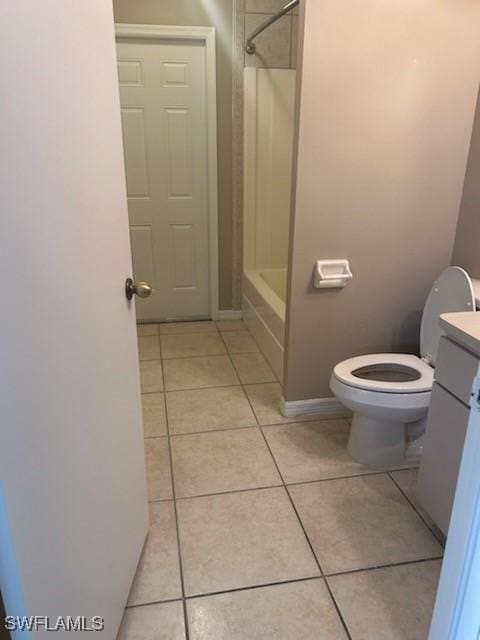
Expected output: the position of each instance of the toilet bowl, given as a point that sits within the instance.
(389, 393)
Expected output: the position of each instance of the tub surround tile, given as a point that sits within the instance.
(240, 540)
(151, 377)
(154, 419)
(150, 329)
(208, 410)
(148, 347)
(153, 622)
(394, 602)
(294, 48)
(207, 326)
(222, 461)
(158, 572)
(192, 344)
(273, 45)
(199, 372)
(296, 611)
(159, 482)
(252, 368)
(239, 342)
(356, 523)
(313, 450)
(264, 6)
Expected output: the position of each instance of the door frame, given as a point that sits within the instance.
(207, 36)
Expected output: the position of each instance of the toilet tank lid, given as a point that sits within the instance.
(452, 291)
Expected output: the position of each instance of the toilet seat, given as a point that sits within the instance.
(422, 373)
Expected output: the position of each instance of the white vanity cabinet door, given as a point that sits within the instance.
(443, 447)
(455, 369)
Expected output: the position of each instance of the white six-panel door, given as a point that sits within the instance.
(164, 122)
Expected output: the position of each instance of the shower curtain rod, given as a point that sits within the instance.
(250, 46)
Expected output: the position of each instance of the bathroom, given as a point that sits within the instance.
(300, 470)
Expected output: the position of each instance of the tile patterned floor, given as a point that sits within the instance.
(262, 527)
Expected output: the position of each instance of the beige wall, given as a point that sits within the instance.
(466, 252)
(387, 100)
(219, 14)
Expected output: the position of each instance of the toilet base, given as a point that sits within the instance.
(383, 443)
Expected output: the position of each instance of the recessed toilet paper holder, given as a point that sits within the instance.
(331, 274)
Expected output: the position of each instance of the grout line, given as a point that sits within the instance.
(254, 586)
(148, 604)
(264, 487)
(337, 608)
(345, 477)
(160, 500)
(290, 581)
(225, 493)
(177, 529)
(383, 566)
(195, 433)
(417, 511)
(198, 355)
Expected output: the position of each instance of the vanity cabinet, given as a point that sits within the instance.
(445, 432)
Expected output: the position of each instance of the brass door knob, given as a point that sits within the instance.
(140, 289)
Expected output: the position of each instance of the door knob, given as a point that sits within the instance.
(140, 289)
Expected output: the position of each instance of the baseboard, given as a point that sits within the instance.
(229, 314)
(322, 407)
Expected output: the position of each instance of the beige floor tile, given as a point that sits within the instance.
(153, 622)
(239, 342)
(150, 329)
(158, 469)
(158, 572)
(296, 611)
(154, 420)
(231, 325)
(188, 327)
(151, 379)
(313, 450)
(148, 348)
(199, 372)
(394, 603)
(192, 344)
(361, 522)
(240, 540)
(208, 409)
(221, 461)
(253, 368)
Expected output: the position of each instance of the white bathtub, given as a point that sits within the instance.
(264, 314)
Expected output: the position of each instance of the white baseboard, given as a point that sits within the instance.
(321, 407)
(229, 314)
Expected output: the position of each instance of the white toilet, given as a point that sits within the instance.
(389, 393)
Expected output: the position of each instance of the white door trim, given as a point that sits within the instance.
(206, 35)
